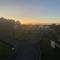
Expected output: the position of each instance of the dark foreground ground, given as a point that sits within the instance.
(26, 52)
(33, 52)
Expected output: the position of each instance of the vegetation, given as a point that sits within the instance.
(5, 50)
(8, 30)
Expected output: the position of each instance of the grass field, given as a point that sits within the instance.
(5, 50)
(48, 53)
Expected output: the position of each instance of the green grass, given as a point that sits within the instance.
(49, 53)
(5, 50)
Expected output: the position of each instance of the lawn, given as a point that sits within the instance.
(5, 50)
(49, 53)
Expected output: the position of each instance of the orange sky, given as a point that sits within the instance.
(39, 21)
(34, 20)
(31, 11)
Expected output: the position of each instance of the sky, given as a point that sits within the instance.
(31, 11)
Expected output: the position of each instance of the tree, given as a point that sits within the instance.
(6, 28)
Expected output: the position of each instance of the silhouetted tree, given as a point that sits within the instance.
(6, 27)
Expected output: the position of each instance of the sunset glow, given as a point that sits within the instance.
(39, 21)
(31, 11)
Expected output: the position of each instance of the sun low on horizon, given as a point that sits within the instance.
(35, 20)
(31, 11)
